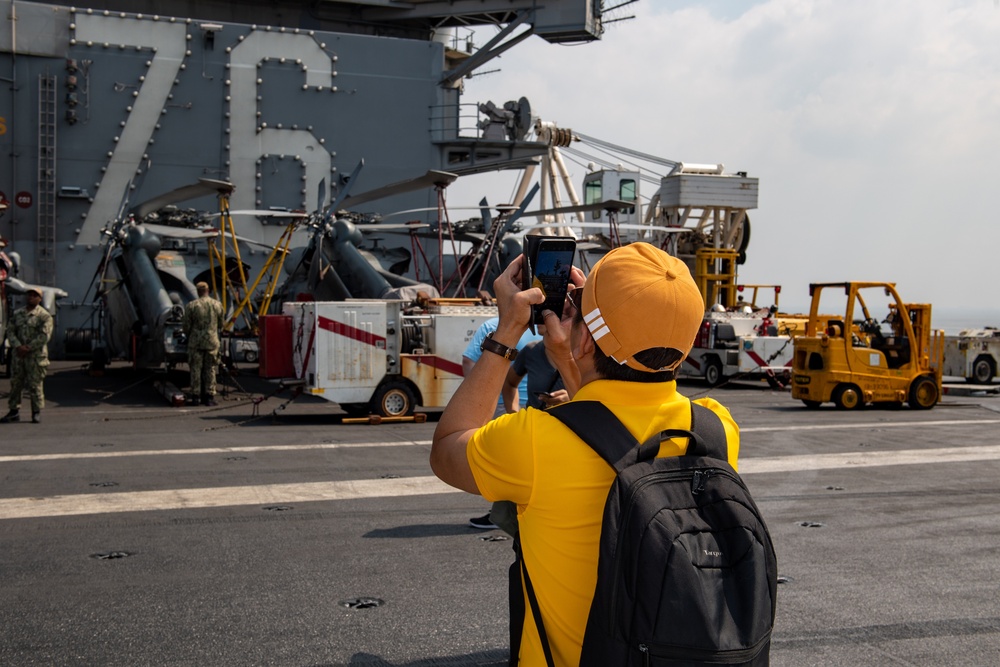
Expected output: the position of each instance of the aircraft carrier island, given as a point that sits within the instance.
(125, 116)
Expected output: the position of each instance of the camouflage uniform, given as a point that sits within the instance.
(34, 329)
(203, 319)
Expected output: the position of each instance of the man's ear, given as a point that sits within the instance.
(584, 345)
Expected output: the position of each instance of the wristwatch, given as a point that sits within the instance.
(496, 347)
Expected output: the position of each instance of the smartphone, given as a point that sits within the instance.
(549, 261)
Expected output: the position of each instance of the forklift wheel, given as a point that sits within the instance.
(847, 397)
(923, 393)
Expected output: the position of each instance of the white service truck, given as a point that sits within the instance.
(737, 344)
(973, 354)
(382, 357)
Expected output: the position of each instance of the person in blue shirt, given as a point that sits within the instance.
(469, 359)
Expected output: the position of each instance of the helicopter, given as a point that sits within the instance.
(147, 274)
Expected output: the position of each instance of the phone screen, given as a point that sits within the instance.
(551, 274)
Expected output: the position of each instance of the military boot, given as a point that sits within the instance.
(11, 417)
(209, 400)
(36, 417)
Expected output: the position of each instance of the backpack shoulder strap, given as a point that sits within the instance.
(597, 426)
(712, 442)
(536, 613)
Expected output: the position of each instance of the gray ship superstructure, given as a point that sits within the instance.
(107, 106)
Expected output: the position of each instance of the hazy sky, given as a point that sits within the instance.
(874, 128)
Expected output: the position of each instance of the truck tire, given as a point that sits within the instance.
(983, 370)
(99, 359)
(392, 399)
(923, 394)
(713, 371)
(848, 397)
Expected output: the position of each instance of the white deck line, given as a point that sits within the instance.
(426, 443)
(305, 492)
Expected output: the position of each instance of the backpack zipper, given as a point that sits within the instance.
(650, 479)
(699, 480)
(731, 657)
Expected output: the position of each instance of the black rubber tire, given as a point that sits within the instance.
(847, 397)
(983, 370)
(924, 393)
(99, 359)
(713, 371)
(393, 399)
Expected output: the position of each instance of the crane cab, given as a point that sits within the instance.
(615, 185)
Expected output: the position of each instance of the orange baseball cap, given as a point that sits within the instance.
(638, 297)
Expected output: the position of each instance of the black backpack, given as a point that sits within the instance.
(687, 573)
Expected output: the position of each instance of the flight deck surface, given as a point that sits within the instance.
(136, 533)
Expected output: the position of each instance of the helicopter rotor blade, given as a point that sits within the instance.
(427, 209)
(610, 205)
(204, 186)
(631, 226)
(261, 213)
(382, 227)
(182, 232)
(335, 205)
(520, 210)
(321, 194)
(484, 211)
(432, 178)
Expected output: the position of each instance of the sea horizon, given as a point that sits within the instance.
(952, 320)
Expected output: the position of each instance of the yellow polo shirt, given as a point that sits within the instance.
(560, 484)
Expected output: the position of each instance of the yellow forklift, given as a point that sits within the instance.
(863, 359)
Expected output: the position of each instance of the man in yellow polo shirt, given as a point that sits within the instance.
(632, 327)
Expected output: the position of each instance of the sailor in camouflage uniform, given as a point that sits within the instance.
(203, 319)
(29, 332)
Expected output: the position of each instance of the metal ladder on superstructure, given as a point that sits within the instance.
(45, 250)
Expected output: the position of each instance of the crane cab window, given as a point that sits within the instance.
(592, 195)
(626, 192)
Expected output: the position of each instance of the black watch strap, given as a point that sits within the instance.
(496, 347)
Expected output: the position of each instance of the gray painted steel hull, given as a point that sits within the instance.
(108, 109)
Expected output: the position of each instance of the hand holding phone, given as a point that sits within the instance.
(549, 260)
